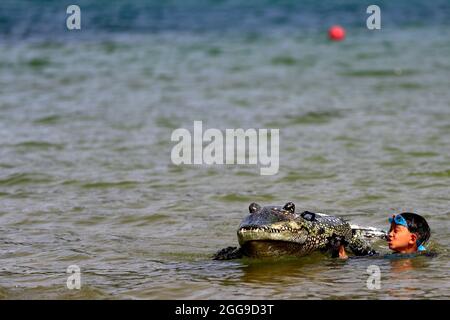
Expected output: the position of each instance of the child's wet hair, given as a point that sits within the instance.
(418, 225)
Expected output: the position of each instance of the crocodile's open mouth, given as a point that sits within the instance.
(271, 248)
(270, 241)
(260, 233)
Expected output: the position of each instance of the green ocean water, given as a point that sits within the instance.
(86, 176)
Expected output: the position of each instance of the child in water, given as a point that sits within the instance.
(408, 233)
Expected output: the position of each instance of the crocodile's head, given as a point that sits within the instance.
(276, 231)
(273, 230)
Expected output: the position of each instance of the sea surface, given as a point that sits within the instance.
(86, 118)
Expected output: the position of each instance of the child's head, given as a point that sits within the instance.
(408, 232)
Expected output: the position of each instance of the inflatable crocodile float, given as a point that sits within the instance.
(273, 231)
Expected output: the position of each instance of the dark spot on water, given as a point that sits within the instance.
(422, 154)
(298, 176)
(284, 60)
(318, 159)
(213, 52)
(395, 86)
(6, 165)
(367, 55)
(312, 117)
(433, 174)
(252, 37)
(111, 47)
(233, 197)
(38, 63)
(369, 73)
(47, 45)
(240, 102)
(43, 145)
(166, 122)
(53, 119)
(105, 185)
(410, 85)
(238, 68)
(25, 178)
(72, 79)
(165, 77)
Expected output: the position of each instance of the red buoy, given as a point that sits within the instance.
(336, 33)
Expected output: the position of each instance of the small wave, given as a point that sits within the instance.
(367, 55)
(48, 120)
(39, 145)
(214, 51)
(379, 73)
(25, 178)
(38, 63)
(233, 197)
(166, 122)
(112, 46)
(312, 117)
(410, 86)
(434, 174)
(53, 292)
(143, 220)
(284, 60)
(105, 185)
(422, 154)
(307, 175)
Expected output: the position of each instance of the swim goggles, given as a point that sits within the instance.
(399, 220)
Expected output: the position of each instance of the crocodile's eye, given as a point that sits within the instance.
(254, 207)
(310, 216)
(290, 206)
